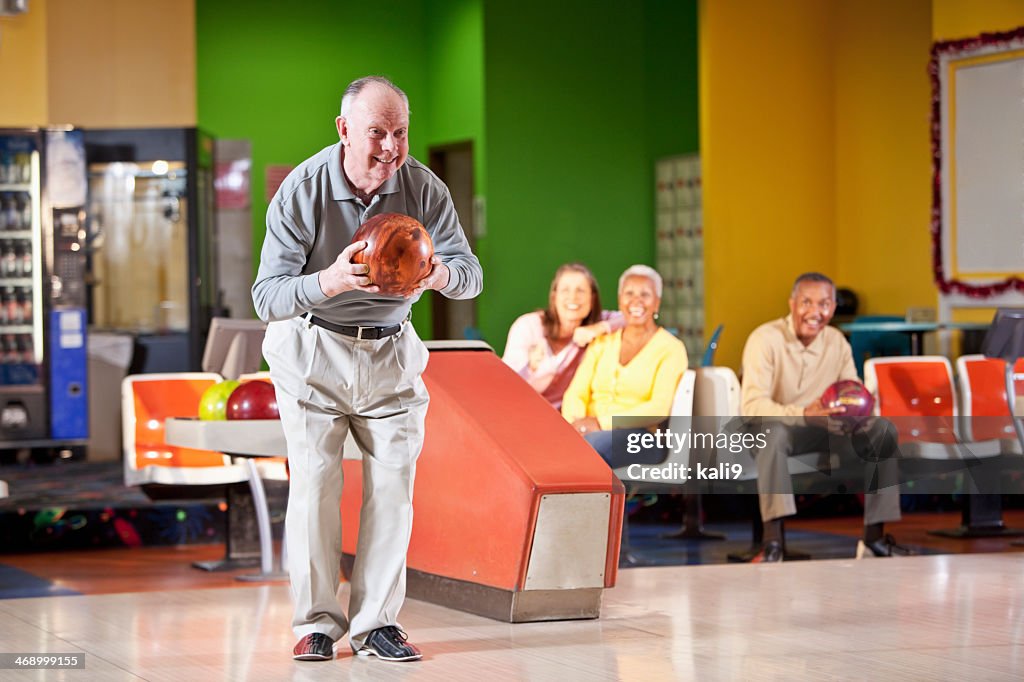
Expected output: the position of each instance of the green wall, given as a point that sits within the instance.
(273, 73)
(580, 99)
(455, 101)
(455, 77)
(672, 95)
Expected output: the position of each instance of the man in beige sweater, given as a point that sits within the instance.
(787, 365)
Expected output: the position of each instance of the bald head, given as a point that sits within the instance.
(374, 132)
(357, 86)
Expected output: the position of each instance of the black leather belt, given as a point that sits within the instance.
(360, 333)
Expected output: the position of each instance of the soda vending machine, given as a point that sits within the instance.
(43, 397)
(152, 238)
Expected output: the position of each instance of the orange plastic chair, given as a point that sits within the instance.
(146, 401)
(983, 394)
(916, 392)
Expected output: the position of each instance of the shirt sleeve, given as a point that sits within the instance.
(281, 291)
(523, 335)
(758, 376)
(576, 400)
(517, 345)
(667, 373)
(614, 319)
(451, 245)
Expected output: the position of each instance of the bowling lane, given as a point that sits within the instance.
(926, 617)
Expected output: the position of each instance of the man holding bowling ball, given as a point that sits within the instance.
(788, 364)
(344, 357)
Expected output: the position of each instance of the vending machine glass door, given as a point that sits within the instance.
(139, 214)
(21, 326)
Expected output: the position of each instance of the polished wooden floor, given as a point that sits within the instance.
(146, 614)
(945, 617)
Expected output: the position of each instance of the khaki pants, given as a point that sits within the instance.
(327, 384)
(876, 446)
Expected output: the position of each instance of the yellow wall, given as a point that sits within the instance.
(767, 136)
(23, 67)
(952, 19)
(816, 149)
(99, 63)
(122, 63)
(883, 154)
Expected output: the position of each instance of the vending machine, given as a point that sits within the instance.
(153, 248)
(43, 397)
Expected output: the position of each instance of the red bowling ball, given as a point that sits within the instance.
(253, 400)
(398, 252)
(850, 394)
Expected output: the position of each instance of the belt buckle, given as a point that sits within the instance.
(359, 333)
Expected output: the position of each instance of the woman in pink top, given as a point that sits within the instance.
(546, 346)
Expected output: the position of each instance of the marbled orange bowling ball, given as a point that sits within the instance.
(398, 252)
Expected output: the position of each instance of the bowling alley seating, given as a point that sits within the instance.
(717, 394)
(517, 518)
(983, 394)
(917, 394)
(692, 526)
(166, 470)
(678, 422)
(986, 428)
(708, 359)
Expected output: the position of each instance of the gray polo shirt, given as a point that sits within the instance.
(313, 217)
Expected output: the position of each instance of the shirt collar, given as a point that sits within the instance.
(340, 188)
(791, 337)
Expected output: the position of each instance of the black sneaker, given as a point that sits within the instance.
(389, 644)
(314, 647)
(885, 546)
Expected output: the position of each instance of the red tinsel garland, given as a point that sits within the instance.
(955, 286)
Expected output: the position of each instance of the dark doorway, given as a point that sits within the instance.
(453, 163)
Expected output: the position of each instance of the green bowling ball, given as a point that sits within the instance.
(214, 401)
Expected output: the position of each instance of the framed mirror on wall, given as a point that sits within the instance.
(978, 171)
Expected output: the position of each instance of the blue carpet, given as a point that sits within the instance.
(647, 543)
(17, 584)
(71, 505)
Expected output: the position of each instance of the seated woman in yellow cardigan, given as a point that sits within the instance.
(630, 375)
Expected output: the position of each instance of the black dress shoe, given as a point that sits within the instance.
(770, 553)
(389, 644)
(884, 546)
(314, 647)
